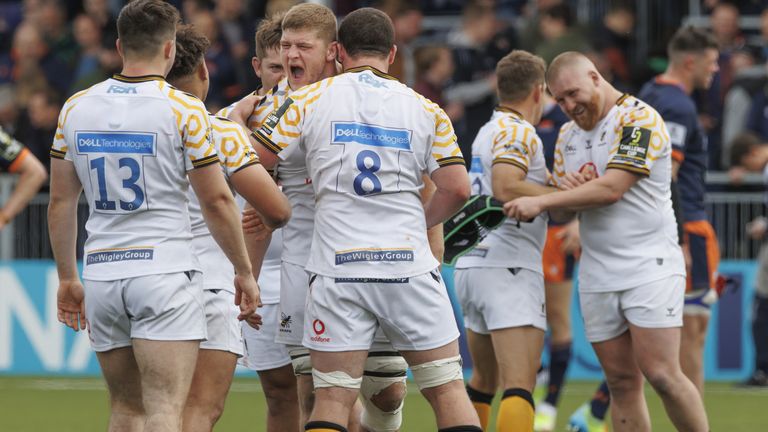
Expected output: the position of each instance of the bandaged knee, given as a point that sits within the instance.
(380, 373)
(300, 360)
(438, 372)
(335, 379)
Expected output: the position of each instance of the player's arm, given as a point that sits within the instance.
(434, 234)
(258, 188)
(452, 190)
(32, 175)
(600, 192)
(62, 228)
(508, 182)
(239, 114)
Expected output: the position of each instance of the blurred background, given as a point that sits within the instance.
(447, 50)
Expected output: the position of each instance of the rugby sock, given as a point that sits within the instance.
(601, 401)
(559, 358)
(461, 429)
(482, 403)
(324, 426)
(516, 411)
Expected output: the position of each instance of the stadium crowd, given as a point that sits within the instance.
(51, 50)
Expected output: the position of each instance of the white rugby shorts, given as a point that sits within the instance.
(657, 304)
(161, 307)
(261, 351)
(495, 298)
(294, 282)
(221, 313)
(343, 314)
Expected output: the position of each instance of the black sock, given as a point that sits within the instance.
(559, 358)
(601, 401)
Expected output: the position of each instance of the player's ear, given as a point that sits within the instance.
(392, 54)
(595, 78)
(256, 64)
(119, 47)
(333, 50)
(169, 49)
(202, 71)
(341, 53)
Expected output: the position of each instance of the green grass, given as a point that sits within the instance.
(80, 405)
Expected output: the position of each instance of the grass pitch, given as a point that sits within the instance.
(33, 404)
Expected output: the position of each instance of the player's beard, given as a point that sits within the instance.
(590, 115)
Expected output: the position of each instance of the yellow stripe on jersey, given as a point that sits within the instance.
(208, 160)
(58, 154)
(631, 168)
(508, 161)
(451, 160)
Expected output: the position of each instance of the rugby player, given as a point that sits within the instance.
(219, 353)
(308, 52)
(615, 159)
(693, 55)
(369, 244)
(17, 159)
(135, 144)
(500, 282)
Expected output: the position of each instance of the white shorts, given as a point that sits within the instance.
(261, 351)
(162, 307)
(658, 304)
(414, 313)
(495, 298)
(294, 282)
(223, 327)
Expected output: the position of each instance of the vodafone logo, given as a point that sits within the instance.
(318, 326)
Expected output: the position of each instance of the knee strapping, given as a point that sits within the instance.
(335, 379)
(380, 373)
(438, 372)
(300, 361)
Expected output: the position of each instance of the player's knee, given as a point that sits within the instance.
(390, 398)
(661, 381)
(624, 382)
(132, 407)
(437, 373)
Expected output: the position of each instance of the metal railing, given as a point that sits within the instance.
(27, 236)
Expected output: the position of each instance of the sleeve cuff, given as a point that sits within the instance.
(212, 159)
(644, 172)
(451, 160)
(511, 162)
(266, 142)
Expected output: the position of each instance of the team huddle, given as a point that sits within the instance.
(328, 185)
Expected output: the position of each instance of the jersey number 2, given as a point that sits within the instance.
(103, 202)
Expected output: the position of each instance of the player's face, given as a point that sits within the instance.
(269, 68)
(705, 67)
(304, 56)
(578, 97)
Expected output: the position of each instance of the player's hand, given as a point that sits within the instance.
(523, 209)
(252, 224)
(570, 237)
(247, 295)
(757, 228)
(573, 180)
(244, 109)
(70, 304)
(255, 321)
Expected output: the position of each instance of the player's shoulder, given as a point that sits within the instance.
(182, 100)
(225, 126)
(634, 111)
(312, 91)
(567, 130)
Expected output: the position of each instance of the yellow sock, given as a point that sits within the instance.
(515, 412)
(322, 426)
(484, 412)
(482, 403)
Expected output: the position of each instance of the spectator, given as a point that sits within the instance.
(530, 36)
(191, 8)
(224, 87)
(237, 30)
(613, 39)
(9, 113)
(52, 21)
(99, 11)
(38, 126)
(94, 63)
(757, 120)
(33, 65)
(474, 82)
(434, 68)
(748, 152)
(406, 18)
(557, 26)
(747, 85)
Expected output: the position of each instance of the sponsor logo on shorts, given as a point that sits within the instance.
(372, 135)
(285, 322)
(670, 312)
(115, 142)
(375, 255)
(102, 257)
(319, 328)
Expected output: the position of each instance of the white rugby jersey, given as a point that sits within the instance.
(366, 157)
(132, 141)
(508, 138)
(235, 153)
(295, 181)
(633, 241)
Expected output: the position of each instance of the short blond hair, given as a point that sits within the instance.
(311, 16)
(268, 34)
(518, 73)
